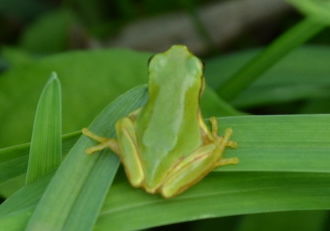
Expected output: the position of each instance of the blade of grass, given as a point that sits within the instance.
(302, 74)
(219, 194)
(281, 94)
(287, 143)
(290, 40)
(319, 10)
(46, 143)
(82, 181)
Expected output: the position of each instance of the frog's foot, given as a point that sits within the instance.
(228, 143)
(228, 132)
(188, 171)
(104, 142)
(195, 166)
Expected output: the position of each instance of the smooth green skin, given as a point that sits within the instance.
(165, 146)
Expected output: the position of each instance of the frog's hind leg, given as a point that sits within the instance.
(194, 167)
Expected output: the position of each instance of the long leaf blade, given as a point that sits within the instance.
(298, 76)
(219, 194)
(46, 143)
(290, 40)
(318, 10)
(286, 143)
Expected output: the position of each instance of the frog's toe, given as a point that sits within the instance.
(96, 148)
(231, 144)
(93, 136)
(227, 161)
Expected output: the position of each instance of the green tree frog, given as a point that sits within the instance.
(165, 146)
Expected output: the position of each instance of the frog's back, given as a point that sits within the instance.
(168, 126)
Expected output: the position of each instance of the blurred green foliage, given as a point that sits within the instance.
(37, 37)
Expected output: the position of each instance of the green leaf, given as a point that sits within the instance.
(299, 75)
(217, 195)
(317, 9)
(46, 143)
(77, 190)
(291, 143)
(252, 70)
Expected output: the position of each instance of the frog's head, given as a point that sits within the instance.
(176, 67)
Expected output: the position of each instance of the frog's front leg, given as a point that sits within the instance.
(104, 142)
(197, 165)
(124, 146)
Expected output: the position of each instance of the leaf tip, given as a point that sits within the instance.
(53, 79)
(53, 76)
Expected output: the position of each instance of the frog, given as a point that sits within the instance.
(166, 146)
